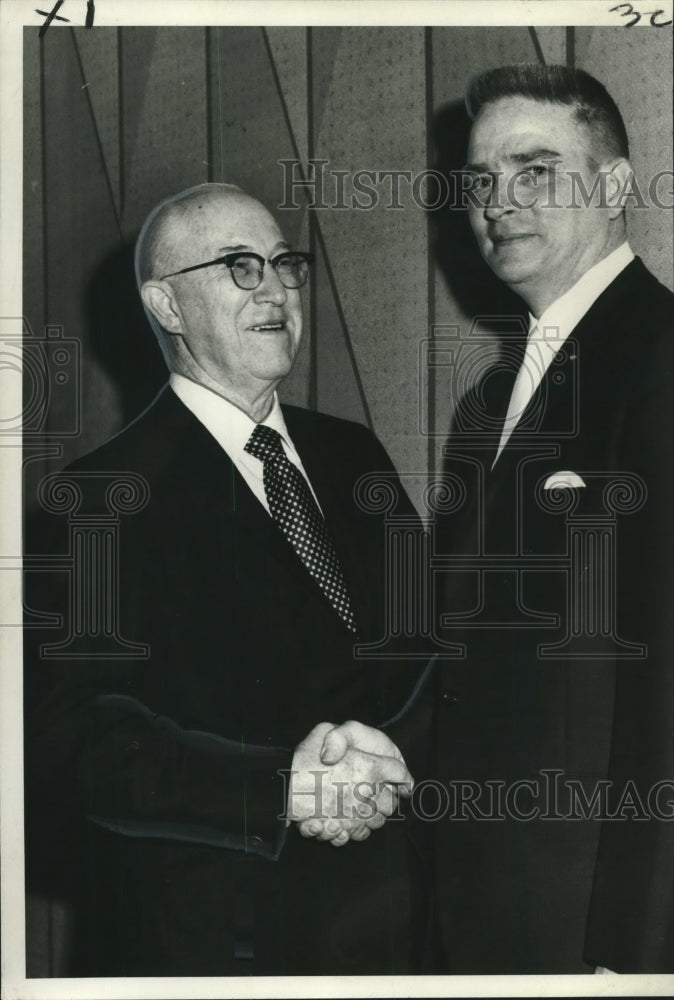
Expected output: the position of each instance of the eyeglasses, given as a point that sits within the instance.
(292, 268)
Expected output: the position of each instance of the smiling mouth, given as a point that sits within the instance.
(269, 327)
(499, 241)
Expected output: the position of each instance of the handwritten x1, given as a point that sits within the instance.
(53, 15)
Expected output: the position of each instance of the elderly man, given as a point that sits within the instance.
(249, 575)
(566, 694)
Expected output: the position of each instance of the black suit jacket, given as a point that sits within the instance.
(158, 777)
(560, 894)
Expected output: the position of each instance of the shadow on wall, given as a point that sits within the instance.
(122, 343)
(470, 281)
(120, 336)
(473, 287)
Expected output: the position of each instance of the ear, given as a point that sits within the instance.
(158, 297)
(619, 185)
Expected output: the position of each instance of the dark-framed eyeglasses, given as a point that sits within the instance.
(246, 268)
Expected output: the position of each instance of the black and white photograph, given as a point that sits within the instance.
(337, 592)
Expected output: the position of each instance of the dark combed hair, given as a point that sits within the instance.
(594, 106)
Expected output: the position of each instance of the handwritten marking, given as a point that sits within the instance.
(51, 16)
(54, 16)
(627, 10)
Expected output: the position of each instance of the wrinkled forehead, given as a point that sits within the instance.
(510, 126)
(215, 222)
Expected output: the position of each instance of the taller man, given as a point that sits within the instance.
(566, 606)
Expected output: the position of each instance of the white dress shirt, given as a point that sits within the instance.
(232, 428)
(548, 333)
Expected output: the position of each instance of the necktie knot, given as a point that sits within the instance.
(264, 443)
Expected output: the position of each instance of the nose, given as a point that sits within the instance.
(271, 289)
(499, 202)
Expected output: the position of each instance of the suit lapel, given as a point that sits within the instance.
(202, 478)
(563, 406)
(567, 385)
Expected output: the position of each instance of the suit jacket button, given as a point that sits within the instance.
(255, 842)
(448, 698)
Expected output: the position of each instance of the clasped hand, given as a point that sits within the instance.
(346, 781)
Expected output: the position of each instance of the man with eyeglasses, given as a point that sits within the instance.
(251, 574)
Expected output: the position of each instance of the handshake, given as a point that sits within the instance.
(345, 782)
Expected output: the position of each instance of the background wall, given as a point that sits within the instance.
(117, 119)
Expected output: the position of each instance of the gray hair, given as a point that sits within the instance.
(154, 245)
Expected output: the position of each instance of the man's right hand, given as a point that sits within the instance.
(345, 782)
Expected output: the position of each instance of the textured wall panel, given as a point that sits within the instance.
(250, 133)
(636, 68)
(325, 44)
(99, 53)
(33, 193)
(374, 118)
(553, 44)
(289, 52)
(81, 226)
(163, 115)
(458, 53)
(337, 383)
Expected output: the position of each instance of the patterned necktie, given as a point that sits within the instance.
(295, 511)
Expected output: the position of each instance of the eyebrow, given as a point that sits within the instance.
(526, 156)
(281, 245)
(233, 248)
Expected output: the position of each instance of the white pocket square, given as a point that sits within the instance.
(563, 481)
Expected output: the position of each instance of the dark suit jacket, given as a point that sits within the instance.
(157, 778)
(562, 895)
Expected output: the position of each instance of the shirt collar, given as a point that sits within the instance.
(566, 312)
(228, 424)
